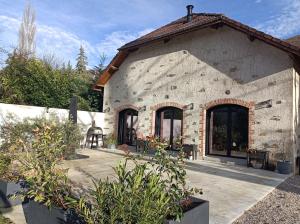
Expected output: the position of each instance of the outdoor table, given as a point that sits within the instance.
(96, 134)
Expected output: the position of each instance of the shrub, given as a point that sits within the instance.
(150, 192)
(5, 162)
(39, 145)
(8, 170)
(33, 82)
(17, 136)
(4, 220)
(46, 183)
(111, 140)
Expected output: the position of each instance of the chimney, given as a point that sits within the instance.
(189, 15)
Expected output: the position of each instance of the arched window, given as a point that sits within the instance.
(227, 130)
(168, 124)
(128, 123)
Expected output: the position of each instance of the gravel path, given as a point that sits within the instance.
(281, 206)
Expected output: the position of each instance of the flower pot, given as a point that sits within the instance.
(112, 146)
(284, 167)
(36, 213)
(196, 213)
(8, 189)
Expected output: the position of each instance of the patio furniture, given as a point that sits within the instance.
(190, 150)
(94, 134)
(258, 155)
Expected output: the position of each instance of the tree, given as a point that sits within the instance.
(81, 61)
(27, 33)
(100, 67)
(51, 60)
(33, 82)
(69, 66)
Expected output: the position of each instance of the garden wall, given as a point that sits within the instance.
(84, 118)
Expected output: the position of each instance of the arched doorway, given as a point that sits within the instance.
(128, 123)
(227, 130)
(168, 124)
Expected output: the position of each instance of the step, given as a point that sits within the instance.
(226, 160)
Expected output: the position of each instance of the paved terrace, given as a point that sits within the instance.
(230, 189)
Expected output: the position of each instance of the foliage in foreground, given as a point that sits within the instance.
(143, 192)
(38, 146)
(4, 220)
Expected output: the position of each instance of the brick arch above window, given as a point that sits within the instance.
(249, 105)
(202, 130)
(126, 106)
(166, 104)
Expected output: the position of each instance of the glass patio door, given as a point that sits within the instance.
(128, 123)
(227, 131)
(168, 125)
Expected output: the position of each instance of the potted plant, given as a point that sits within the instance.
(10, 182)
(48, 196)
(111, 142)
(154, 191)
(284, 166)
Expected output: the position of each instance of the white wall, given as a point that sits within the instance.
(84, 118)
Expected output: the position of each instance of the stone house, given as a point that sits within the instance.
(224, 86)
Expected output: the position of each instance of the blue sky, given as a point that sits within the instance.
(103, 26)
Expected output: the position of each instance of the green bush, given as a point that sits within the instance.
(111, 140)
(38, 146)
(19, 136)
(5, 162)
(47, 183)
(33, 82)
(4, 220)
(150, 192)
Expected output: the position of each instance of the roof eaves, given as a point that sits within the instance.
(262, 36)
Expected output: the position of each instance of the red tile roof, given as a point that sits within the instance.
(181, 26)
(174, 27)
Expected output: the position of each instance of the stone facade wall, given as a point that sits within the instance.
(296, 127)
(210, 65)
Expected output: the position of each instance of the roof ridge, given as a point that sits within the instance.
(207, 14)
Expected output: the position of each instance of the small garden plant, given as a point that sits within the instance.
(111, 140)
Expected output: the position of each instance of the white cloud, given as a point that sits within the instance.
(116, 39)
(8, 31)
(63, 44)
(258, 1)
(286, 23)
